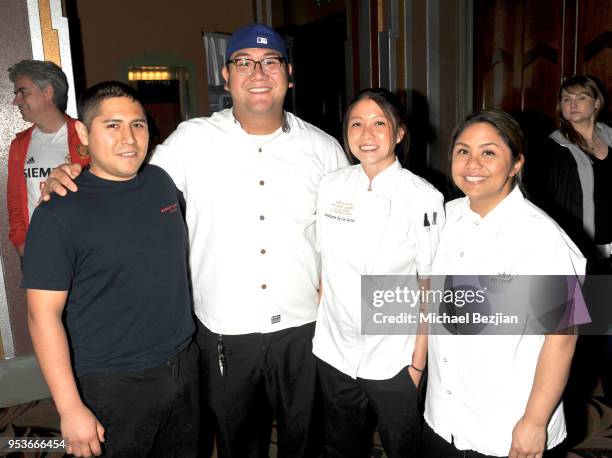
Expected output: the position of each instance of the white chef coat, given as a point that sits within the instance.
(251, 219)
(363, 232)
(478, 386)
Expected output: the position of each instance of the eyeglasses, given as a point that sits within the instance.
(269, 65)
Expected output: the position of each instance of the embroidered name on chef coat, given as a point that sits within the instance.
(341, 211)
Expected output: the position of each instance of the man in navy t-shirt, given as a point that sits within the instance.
(108, 300)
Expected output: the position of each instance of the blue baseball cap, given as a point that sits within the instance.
(256, 36)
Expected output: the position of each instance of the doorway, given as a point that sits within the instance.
(163, 91)
(319, 72)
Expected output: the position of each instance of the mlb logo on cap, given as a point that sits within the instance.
(256, 36)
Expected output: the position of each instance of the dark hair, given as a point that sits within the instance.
(507, 128)
(593, 87)
(394, 112)
(89, 103)
(43, 74)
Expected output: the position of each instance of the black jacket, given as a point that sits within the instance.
(552, 183)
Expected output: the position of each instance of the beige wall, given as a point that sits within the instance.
(116, 33)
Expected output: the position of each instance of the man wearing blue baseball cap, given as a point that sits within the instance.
(249, 176)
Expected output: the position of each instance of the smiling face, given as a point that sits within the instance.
(32, 101)
(259, 94)
(578, 105)
(117, 138)
(483, 166)
(371, 138)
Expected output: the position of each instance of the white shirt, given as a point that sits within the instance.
(376, 232)
(251, 219)
(478, 386)
(44, 153)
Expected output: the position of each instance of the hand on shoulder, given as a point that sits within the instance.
(60, 181)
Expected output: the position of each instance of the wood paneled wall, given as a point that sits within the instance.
(524, 48)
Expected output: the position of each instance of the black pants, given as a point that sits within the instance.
(435, 446)
(353, 409)
(148, 413)
(265, 376)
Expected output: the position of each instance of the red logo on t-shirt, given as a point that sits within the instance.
(169, 209)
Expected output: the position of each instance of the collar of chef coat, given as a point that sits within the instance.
(285, 123)
(496, 218)
(384, 183)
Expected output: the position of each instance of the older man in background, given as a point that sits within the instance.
(41, 94)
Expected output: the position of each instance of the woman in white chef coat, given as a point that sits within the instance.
(372, 218)
(497, 395)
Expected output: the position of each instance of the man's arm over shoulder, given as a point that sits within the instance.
(172, 154)
(62, 177)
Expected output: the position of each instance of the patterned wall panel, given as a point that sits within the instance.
(539, 43)
(14, 46)
(495, 43)
(28, 29)
(541, 56)
(594, 41)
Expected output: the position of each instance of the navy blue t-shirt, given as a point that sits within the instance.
(119, 248)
